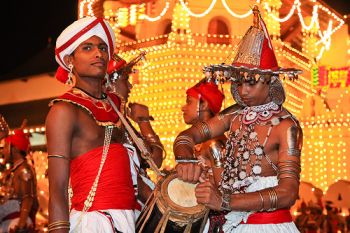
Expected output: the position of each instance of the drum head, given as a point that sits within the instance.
(182, 193)
(179, 196)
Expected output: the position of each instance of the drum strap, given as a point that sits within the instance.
(138, 141)
(274, 217)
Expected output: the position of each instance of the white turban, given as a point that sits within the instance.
(80, 31)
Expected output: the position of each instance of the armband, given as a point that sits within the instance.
(294, 139)
(57, 156)
(204, 130)
(183, 141)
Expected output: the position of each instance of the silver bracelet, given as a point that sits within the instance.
(226, 202)
(186, 160)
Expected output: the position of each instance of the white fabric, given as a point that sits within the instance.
(234, 218)
(75, 28)
(135, 163)
(10, 206)
(95, 222)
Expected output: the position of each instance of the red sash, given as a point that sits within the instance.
(100, 109)
(115, 189)
(275, 217)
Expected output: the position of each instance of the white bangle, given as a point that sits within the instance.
(186, 160)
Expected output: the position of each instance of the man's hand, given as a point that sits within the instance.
(208, 195)
(189, 172)
(137, 110)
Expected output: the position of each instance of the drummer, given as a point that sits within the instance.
(204, 101)
(261, 167)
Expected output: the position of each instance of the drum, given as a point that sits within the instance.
(172, 208)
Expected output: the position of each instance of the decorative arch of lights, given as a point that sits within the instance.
(325, 36)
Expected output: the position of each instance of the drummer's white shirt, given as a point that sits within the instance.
(96, 222)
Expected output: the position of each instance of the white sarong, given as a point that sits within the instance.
(97, 222)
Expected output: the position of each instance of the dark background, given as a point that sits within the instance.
(29, 27)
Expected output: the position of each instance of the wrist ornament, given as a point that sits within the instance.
(226, 202)
(58, 225)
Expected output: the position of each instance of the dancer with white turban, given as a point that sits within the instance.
(84, 136)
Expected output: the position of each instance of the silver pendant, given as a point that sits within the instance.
(252, 135)
(242, 175)
(258, 151)
(246, 155)
(257, 169)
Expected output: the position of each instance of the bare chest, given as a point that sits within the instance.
(88, 135)
(253, 148)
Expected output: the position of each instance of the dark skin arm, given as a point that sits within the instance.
(218, 125)
(27, 190)
(140, 110)
(144, 190)
(59, 132)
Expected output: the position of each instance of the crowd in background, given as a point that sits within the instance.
(317, 219)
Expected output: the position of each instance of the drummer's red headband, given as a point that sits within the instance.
(210, 93)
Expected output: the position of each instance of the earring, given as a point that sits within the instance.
(235, 94)
(107, 81)
(70, 74)
(276, 91)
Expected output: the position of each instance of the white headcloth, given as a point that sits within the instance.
(80, 31)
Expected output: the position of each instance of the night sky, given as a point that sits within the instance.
(28, 27)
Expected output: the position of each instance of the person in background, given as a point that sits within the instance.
(138, 113)
(20, 204)
(302, 219)
(347, 221)
(204, 101)
(4, 128)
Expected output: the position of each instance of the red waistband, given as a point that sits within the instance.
(275, 217)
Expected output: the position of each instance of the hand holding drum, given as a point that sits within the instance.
(207, 194)
(189, 172)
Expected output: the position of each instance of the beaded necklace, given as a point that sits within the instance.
(243, 145)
